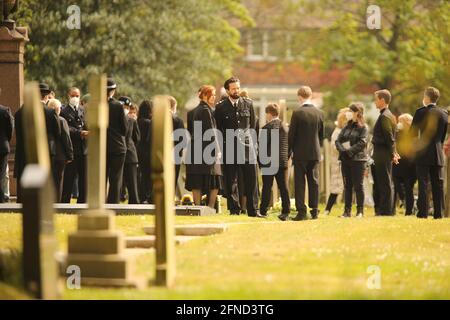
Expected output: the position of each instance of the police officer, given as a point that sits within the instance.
(75, 115)
(237, 113)
(116, 144)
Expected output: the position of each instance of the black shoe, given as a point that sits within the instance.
(314, 214)
(300, 217)
(234, 213)
(284, 217)
(346, 214)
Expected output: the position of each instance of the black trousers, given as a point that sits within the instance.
(383, 193)
(331, 201)
(249, 172)
(130, 176)
(435, 175)
(77, 168)
(58, 176)
(404, 190)
(114, 172)
(145, 186)
(353, 175)
(267, 180)
(306, 170)
(3, 164)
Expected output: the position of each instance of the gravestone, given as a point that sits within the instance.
(40, 267)
(163, 176)
(97, 248)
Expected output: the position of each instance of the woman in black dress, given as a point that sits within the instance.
(205, 176)
(144, 151)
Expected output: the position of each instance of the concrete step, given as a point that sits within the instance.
(96, 242)
(193, 229)
(108, 266)
(147, 242)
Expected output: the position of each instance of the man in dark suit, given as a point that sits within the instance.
(384, 154)
(275, 124)
(431, 130)
(306, 133)
(130, 171)
(53, 135)
(64, 150)
(116, 144)
(6, 131)
(74, 113)
(237, 116)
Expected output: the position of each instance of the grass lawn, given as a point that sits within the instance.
(268, 259)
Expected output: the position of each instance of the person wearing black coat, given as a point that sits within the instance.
(130, 171)
(191, 167)
(64, 150)
(206, 178)
(306, 133)
(404, 173)
(6, 131)
(75, 115)
(237, 114)
(430, 160)
(275, 124)
(144, 148)
(116, 144)
(53, 129)
(384, 154)
(352, 144)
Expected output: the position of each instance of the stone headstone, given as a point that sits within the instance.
(163, 176)
(97, 248)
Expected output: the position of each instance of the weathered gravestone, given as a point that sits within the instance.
(97, 248)
(40, 268)
(163, 176)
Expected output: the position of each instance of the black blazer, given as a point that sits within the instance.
(132, 137)
(283, 155)
(117, 128)
(53, 136)
(306, 133)
(383, 138)
(241, 117)
(433, 131)
(144, 145)
(406, 166)
(77, 123)
(190, 168)
(357, 136)
(6, 129)
(53, 129)
(64, 148)
(206, 117)
(178, 123)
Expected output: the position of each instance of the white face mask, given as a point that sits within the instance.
(400, 126)
(349, 115)
(74, 101)
(126, 111)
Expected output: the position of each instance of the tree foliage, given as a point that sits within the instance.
(150, 47)
(408, 53)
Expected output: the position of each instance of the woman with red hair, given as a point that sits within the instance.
(204, 177)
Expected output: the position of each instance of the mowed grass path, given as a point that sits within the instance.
(268, 259)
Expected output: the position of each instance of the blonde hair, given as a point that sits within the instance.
(54, 104)
(405, 118)
(341, 120)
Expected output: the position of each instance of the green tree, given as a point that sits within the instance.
(149, 47)
(408, 53)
